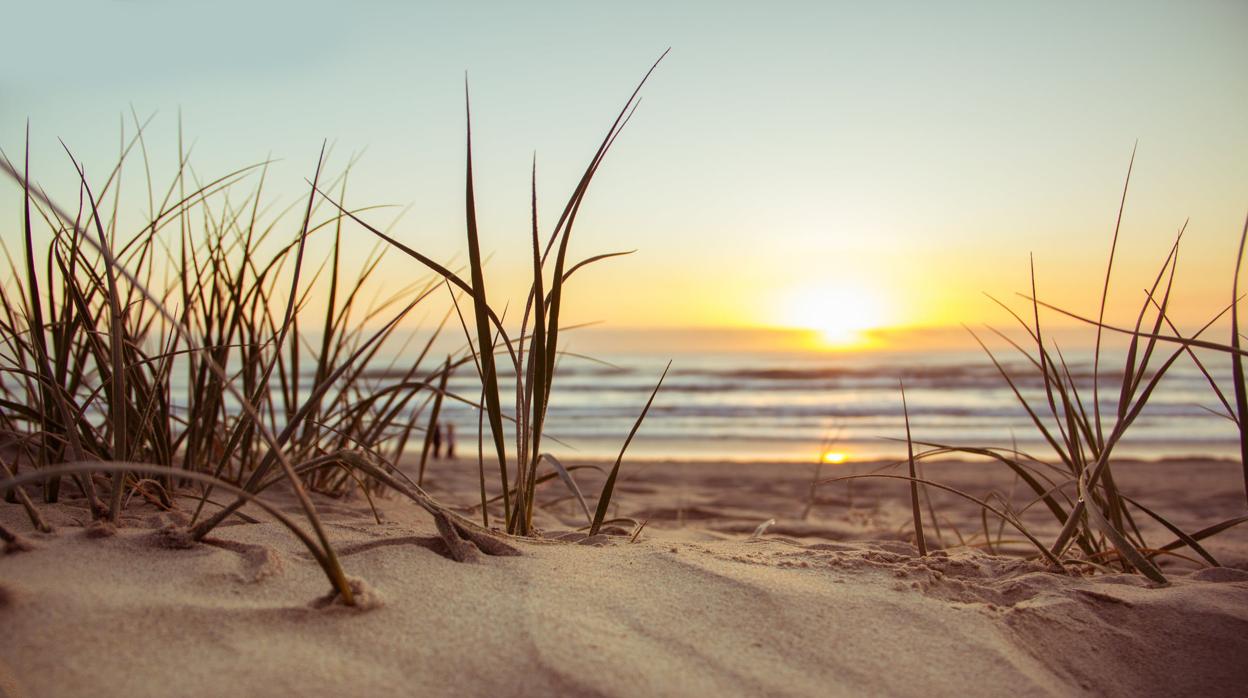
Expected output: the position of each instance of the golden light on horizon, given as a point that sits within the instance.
(840, 311)
(834, 457)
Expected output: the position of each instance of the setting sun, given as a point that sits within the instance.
(834, 457)
(841, 312)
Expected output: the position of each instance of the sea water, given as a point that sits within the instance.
(799, 406)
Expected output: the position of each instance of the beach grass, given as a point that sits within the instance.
(1099, 524)
(534, 352)
(93, 330)
(94, 327)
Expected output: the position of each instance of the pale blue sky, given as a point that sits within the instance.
(918, 151)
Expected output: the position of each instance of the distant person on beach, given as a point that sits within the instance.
(450, 441)
(437, 441)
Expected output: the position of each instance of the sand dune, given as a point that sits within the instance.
(836, 604)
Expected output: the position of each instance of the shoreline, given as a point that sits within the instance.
(866, 462)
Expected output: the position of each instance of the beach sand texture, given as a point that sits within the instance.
(838, 603)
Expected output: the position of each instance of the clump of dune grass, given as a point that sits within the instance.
(1100, 524)
(92, 340)
(533, 354)
(211, 288)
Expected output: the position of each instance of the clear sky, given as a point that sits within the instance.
(805, 164)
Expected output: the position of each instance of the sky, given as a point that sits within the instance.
(829, 166)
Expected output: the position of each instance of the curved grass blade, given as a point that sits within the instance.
(1096, 360)
(1206, 532)
(914, 482)
(591, 260)
(604, 499)
(1237, 363)
(1183, 537)
(570, 482)
(1117, 539)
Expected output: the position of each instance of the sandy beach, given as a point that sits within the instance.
(624, 349)
(836, 603)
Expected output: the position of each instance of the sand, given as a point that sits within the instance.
(836, 603)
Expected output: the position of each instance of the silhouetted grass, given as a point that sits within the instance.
(88, 362)
(1100, 522)
(916, 512)
(534, 352)
(212, 290)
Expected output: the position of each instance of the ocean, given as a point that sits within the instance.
(785, 406)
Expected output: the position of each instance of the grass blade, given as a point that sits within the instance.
(914, 482)
(570, 482)
(604, 498)
(1096, 360)
(432, 429)
(1018, 526)
(1237, 363)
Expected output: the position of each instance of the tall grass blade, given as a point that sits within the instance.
(914, 483)
(1237, 363)
(118, 402)
(539, 381)
(1096, 356)
(604, 498)
(489, 377)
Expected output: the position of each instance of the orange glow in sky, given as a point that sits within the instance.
(764, 186)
